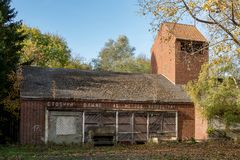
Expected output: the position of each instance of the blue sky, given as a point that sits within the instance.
(87, 24)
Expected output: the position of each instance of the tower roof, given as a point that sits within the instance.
(185, 32)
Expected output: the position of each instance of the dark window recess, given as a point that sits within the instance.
(192, 47)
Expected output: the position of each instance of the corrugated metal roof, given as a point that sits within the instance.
(185, 32)
(93, 85)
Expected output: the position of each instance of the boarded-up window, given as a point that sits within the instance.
(125, 126)
(99, 124)
(140, 127)
(65, 125)
(162, 125)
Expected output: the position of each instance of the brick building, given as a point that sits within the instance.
(75, 106)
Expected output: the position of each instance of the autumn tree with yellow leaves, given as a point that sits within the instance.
(217, 88)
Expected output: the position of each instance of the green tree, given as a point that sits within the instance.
(78, 63)
(118, 56)
(216, 91)
(112, 52)
(46, 50)
(10, 45)
(140, 64)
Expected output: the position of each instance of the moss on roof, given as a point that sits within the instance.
(93, 85)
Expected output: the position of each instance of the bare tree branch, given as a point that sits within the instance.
(226, 30)
(233, 15)
(194, 17)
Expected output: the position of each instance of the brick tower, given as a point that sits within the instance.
(178, 52)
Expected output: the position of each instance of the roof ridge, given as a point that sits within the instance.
(82, 70)
(179, 24)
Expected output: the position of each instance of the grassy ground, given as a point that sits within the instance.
(169, 151)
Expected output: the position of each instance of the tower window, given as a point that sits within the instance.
(192, 47)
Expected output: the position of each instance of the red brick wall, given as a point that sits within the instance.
(201, 124)
(32, 122)
(163, 55)
(186, 127)
(33, 116)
